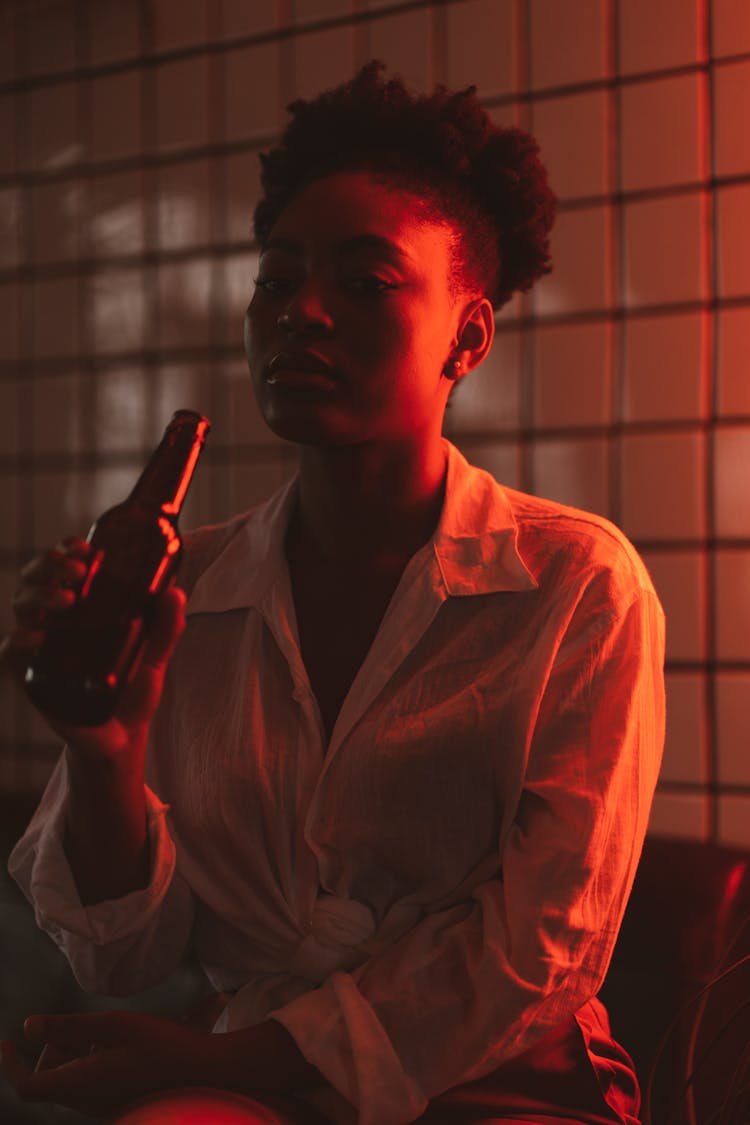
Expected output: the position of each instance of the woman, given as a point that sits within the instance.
(400, 772)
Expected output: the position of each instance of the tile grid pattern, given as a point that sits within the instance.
(618, 385)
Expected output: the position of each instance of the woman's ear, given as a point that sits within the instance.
(476, 334)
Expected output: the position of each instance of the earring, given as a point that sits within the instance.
(452, 369)
(284, 322)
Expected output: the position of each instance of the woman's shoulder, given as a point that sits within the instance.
(562, 538)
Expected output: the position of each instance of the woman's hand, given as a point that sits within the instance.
(49, 585)
(113, 1058)
(118, 1057)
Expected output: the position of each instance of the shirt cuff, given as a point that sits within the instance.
(40, 866)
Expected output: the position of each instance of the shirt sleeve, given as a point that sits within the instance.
(469, 987)
(115, 947)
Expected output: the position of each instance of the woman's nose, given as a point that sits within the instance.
(306, 311)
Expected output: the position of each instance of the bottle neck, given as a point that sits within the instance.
(164, 482)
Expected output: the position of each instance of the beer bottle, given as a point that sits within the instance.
(90, 650)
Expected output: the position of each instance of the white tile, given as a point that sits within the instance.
(567, 42)
(571, 132)
(680, 581)
(252, 91)
(572, 375)
(48, 31)
(683, 816)
(239, 271)
(179, 23)
(658, 34)
(55, 318)
(664, 252)
(182, 104)
(115, 106)
(9, 500)
(57, 415)
(322, 59)
(11, 226)
(243, 190)
(732, 481)
(187, 197)
(121, 401)
(404, 42)
(732, 137)
(489, 397)
(733, 727)
(114, 30)
(734, 239)
(675, 509)
(51, 138)
(61, 506)
(500, 459)
(238, 17)
(10, 417)
(660, 133)
(305, 11)
(733, 328)
(685, 751)
(185, 303)
(57, 208)
(730, 26)
(9, 61)
(10, 124)
(734, 821)
(10, 319)
(116, 214)
(487, 60)
(116, 305)
(185, 386)
(573, 472)
(666, 367)
(732, 598)
(580, 279)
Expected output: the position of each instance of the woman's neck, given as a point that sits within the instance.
(361, 505)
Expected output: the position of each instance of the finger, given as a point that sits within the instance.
(58, 565)
(79, 1032)
(95, 1083)
(32, 605)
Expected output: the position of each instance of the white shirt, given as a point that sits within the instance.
(424, 897)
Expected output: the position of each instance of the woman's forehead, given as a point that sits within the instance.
(359, 211)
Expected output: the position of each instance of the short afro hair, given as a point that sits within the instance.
(487, 181)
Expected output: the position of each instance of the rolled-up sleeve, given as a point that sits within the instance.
(469, 987)
(117, 946)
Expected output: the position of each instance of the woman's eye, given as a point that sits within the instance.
(369, 286)
(273, 286)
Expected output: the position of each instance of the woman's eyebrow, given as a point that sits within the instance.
(344, 245)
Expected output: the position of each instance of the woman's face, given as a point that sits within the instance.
(353, 317)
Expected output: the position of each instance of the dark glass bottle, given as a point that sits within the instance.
(90, 650)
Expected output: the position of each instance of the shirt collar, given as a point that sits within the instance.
(475, 544)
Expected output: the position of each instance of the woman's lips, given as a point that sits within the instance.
(300, 370)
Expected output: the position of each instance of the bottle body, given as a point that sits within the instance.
(91, 650)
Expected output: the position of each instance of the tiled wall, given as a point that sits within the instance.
(130, 132)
